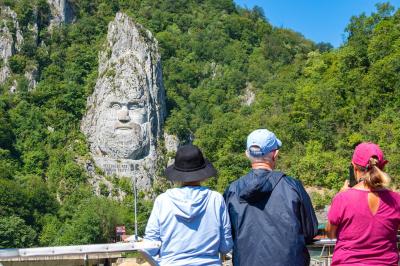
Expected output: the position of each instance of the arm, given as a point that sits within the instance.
(152, 232)
(346, 186)
(335, 214)
(227, 197)
(331, 230)
(308, 219)
(226, 242)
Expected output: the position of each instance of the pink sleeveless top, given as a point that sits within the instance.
(364, 238)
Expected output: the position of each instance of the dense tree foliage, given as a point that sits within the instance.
(320, 102)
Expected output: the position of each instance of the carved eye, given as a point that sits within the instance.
(135, 105)
(115, 106)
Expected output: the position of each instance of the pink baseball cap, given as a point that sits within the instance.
(364, 151)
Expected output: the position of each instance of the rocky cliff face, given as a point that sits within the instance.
(11, 37)
(61, 11)
(249, 95)
(127, 109)
(11, 41)
(9, 44)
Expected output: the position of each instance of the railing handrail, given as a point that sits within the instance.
(26, 253)
(323, 242)
(141, 246)
(332, 242)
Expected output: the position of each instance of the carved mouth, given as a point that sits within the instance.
(124, 128)
(127, 126)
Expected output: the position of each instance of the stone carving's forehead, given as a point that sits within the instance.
(133, 98)
(127, 84)
(126, 93)
(128, 66)
(128, 89)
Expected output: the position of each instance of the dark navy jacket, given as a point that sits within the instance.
(272, 219)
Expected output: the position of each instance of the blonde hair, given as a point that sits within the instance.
(374, 177)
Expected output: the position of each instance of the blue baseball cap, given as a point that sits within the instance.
(265, 140)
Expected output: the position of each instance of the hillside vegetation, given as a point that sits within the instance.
(319, 101)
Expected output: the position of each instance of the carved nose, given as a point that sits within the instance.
(123, 115)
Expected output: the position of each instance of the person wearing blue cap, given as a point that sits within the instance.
(271, 214)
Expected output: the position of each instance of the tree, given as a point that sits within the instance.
(12, 200)
(93, 222)
(18, 63)
(14, 233)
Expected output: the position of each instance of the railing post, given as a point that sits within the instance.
(86, 260)
(135, 204)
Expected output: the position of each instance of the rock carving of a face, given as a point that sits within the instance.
(123, 122)
(126, 109)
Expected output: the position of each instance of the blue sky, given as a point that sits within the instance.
(318, 20)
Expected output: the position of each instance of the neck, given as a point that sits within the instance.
(361, 185)
(262, 165)
(191, 184)
(360, 181)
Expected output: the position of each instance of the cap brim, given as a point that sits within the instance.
(279, 143)
(198, 175)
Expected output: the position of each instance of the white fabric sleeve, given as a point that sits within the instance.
(226, 242)
(152, 232)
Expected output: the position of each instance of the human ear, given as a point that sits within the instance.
(276, 154)
(357, 172)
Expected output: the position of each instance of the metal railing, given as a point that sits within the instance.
(78, 252)
(114, 250)
(85, 252)
(326, 247)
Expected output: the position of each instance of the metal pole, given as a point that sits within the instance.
(135, 204)
(86, 260)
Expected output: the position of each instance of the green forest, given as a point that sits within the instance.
(319, 100)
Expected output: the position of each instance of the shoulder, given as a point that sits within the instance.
(393, 194)
(163, 196)
(343, 194)
(295, 190)
(216, 196)
(293, 183)
(234, 186)
(343, 197)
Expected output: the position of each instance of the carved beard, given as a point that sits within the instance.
(125, 144)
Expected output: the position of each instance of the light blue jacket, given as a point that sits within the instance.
(193, 226)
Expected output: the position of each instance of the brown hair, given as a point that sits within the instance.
(374, 177)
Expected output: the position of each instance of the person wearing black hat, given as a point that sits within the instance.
(190, 221)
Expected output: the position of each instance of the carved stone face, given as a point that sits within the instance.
(127, 108)
(122, 127)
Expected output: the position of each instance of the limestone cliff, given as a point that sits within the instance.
(61, 11)
(12, 38)
(9, 42)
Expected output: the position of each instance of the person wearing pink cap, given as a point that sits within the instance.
(365, 218)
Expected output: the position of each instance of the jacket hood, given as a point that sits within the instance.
(257, 185)
(188, 202)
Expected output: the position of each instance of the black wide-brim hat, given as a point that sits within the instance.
(190, 166)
